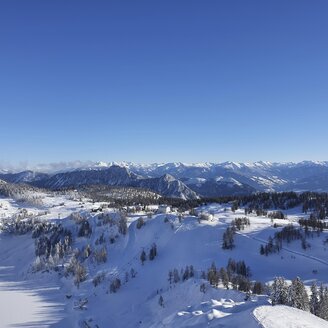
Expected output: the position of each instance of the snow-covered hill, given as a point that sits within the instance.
(182, 240)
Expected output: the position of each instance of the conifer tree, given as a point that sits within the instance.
(143, 257)
(314, 300)
(161, 301)
(298, 297)
(279, 291)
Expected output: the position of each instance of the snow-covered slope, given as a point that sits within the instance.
(181, 241)
(23, 177)
(168, 186)
(219, 187)
(281, 316)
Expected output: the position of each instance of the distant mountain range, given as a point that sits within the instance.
(187, 181)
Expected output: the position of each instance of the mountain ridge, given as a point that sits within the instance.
(186, 181)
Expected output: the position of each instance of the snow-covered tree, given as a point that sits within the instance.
(298, 297)
(80, 274)
(258, 288)
(314, 299)
(213, 275)
(224, 277)
(279, 291)
(323, 303)
(123, 224)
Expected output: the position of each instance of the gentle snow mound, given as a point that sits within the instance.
(281, 316)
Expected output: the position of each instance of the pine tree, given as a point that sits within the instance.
(186, 274)
(323, 303)
(133, 273)
(80, 273)
(314, 300)
(262, 250)
(228, 239)
(279, 291)
(115, 285)
(224, 278)
(213, 275)
(143, 257)
(191, 271)
(176, 276)
(258, 288)
(123, 224)
(170, 278)
(202, 288)
(152, 252)
(298, 297)
(161, 301)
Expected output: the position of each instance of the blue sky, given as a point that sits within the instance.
(153, 81)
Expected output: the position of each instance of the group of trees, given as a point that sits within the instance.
(151, 256)
(287, 234)
(22, 193)
(119, 196)
(122, 224)
(176, 275)
(236, 275)
(100, 255)
(23, 223)
(77, 269)
(228, 241)
(276, 215)
(313, 224)
(52, 243)
(85, 229)
(241, 223)
(295, 295)
(261, 202)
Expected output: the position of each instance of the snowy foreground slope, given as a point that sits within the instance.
(49, 297)
(281, 316)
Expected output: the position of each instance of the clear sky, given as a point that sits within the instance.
(166, 80)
